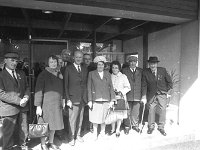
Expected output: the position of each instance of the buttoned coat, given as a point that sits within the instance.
(11, 93)
(135, 79)
(100, 89)
(48, 95)
(151, 85)
(75, 84)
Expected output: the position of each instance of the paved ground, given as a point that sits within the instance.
(176, 139)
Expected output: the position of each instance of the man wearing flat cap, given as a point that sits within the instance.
(134, 75)
(156, 86)
(14, 95)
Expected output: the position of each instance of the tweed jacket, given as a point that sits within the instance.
(151, 85)
(11, 93)
(75, 84)
(100, 89)
(135, 80)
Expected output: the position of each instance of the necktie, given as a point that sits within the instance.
(79, 70)
(13, 73)
(154, 73)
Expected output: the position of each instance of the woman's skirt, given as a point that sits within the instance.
(98, 113)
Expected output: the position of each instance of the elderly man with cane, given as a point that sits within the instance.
(156, 88)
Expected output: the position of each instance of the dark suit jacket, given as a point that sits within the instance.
(75, 84)
(62, 69)
(135, 82)
(100, 88)
(11, 93)
(151, 84)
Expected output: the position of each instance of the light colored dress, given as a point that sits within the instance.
(121, 83)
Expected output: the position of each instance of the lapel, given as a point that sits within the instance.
(152, 75)
(76, 71)
(10, 77)
(18, 78)
(98, 76)
(131, 74)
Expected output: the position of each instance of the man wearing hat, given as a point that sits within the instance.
(134, 75)
(156, 85)
(14, 95)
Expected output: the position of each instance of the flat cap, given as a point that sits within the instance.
(132, 58)
(11, 55)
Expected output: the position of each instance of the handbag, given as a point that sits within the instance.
(38, 130)
(111, 117)
(120, 104)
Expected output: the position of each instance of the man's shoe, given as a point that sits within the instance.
(126, 131)
(53, 146)
(80, 139)
(72, 142)
(136, 129)
(44, 147)
(150, 131)
(162, 131)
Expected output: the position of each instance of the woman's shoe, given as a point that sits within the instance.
(111, 133)
(44, 147)
(53, 146)
(117, 134)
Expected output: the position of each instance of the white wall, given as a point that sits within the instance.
(190, 85)
(166, 45)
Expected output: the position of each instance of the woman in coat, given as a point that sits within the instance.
(121, 85)
(48, 99)
(100, 95)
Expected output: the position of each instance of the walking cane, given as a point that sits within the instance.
(142, 126)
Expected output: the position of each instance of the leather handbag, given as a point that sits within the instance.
(120, 104)
(38, 130)
(111, 117)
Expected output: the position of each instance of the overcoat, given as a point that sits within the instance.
(134, 79)
(162, 83)
(98, 88)
(11, 92)
(48, 95)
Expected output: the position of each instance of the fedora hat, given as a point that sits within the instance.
(153, 59)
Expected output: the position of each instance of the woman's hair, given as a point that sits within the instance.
(53, 57)
(115, 63)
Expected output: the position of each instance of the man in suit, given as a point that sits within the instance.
(75, 82)
(13, 96)
(134, 75)
(66, 58)
(156, 88)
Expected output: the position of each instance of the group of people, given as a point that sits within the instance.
(78, 85)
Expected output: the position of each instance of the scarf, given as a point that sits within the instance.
(56, 72)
